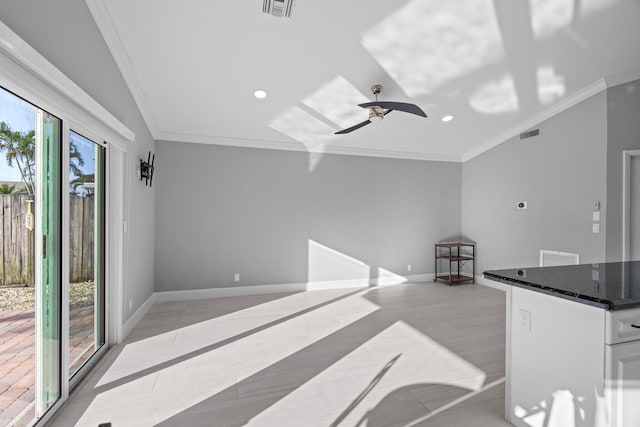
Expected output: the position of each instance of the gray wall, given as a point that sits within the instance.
(264, 214)
(560, 174)
(65, 33)
(623, 133)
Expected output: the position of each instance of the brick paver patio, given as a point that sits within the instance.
(17, 359)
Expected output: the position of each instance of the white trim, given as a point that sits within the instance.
(626, 202)
(398, 280)
(481, 280)
(38, 250)
(110, 34)
(426, 277)
(298, 146)
(114, 245)
(623, 78)
(507, 356)
(237, 291)
(536, 119)
(16, 49)
(138, 315)
(65, 257)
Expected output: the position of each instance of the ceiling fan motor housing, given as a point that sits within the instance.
(376, 113)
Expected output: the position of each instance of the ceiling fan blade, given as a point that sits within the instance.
(400, 106)
(359, 125)
(352, 128)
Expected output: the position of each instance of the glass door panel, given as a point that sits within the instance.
(48, 254)
(86, 249)
(17, 258)
(30, 289)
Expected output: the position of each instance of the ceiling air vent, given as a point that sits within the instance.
(530, 134)
(279, 8)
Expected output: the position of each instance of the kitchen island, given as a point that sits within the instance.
(573, 345)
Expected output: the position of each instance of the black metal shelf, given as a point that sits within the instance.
(457, 253)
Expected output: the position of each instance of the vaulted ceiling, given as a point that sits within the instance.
(498, 66)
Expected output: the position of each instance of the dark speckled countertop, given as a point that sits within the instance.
(612, 285)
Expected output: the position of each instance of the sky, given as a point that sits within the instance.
(19, 115)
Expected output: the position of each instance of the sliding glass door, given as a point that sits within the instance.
(30, 259)
(34, 244)
(48, 257)
(86, 249)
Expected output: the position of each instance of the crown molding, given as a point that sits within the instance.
(20, 52)
(111, 36)
(105, 23)
(536, 119)
(623, 78)
(298, 146)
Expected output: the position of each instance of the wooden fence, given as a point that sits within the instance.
(17, 242)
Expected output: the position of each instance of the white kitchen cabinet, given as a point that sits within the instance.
(573, 345)
(623, 383)
(571, 364)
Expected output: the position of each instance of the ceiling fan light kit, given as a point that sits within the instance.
(379, 109)
(376, 114)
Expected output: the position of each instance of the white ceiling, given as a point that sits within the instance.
(498, 66)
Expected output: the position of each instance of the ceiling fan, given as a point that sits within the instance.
(379, 109)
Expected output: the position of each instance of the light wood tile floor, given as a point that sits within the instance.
(421, 354)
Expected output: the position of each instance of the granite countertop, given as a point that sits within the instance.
(612, 286)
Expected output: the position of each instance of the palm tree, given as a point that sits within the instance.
(85, 182)
(7, 189)
(19, 148)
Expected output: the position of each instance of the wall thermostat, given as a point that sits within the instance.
(521, 205)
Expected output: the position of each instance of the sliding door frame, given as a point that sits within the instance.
(93, 137)
(29, 75)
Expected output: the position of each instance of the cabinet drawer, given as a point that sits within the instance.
(622, 326)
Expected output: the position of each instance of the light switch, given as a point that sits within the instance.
(596, 228)
(596, 216)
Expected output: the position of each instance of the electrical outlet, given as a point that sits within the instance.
(408, 267)
(524, 320)
(236, 277)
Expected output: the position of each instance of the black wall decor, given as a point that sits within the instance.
(147, 169)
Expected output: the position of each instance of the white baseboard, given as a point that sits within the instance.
(336, 284)
(235, 291)
(427, 277)
(137, 316)
(481, 280)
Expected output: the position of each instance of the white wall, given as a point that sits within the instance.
(560, 173)
(65, 33)
(265, 215)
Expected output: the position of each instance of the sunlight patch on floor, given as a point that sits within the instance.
(166, 346)
(162, 394)
(349, 389)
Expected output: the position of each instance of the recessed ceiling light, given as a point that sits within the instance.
(447, 118)
(260, 94)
